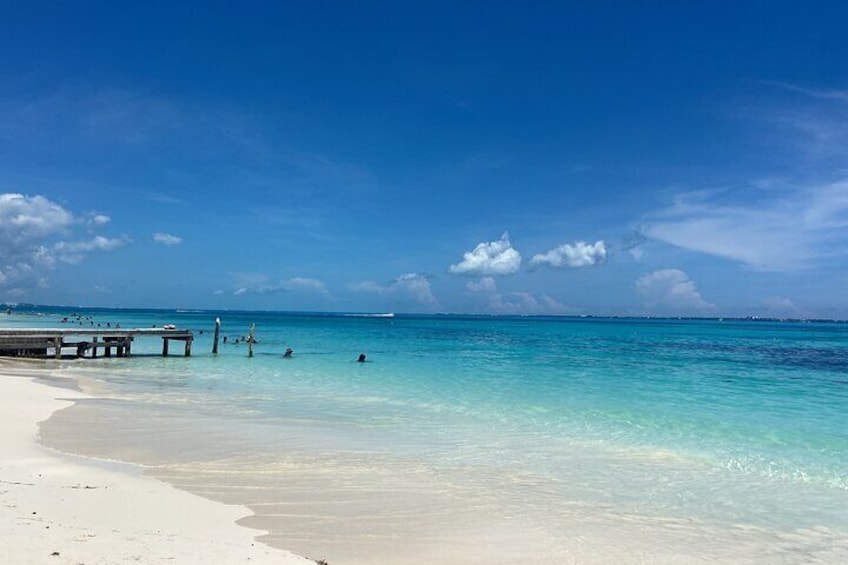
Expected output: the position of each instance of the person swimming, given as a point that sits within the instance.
(361, 358)
(289, 352)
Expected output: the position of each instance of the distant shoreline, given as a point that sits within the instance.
(27, 308)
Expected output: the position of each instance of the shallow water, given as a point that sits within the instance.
(488, 440)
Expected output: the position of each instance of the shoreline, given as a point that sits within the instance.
(62, 508)
(466, 460)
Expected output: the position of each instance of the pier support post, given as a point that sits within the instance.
(250, 340)
(94, 347)
(165, 341)
(188, 347)
(217, 334)
(57, 343)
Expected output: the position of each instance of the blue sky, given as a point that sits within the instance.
(625, 158)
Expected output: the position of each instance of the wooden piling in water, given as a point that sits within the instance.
(217, 333)
(250, 340)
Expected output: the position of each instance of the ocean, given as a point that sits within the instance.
(486, 439)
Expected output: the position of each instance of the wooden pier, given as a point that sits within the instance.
(45, 343)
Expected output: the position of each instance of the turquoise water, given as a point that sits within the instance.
(639, 427)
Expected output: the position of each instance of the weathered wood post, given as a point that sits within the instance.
(94, 347)
(217, 334)
(57, 343)
(188, 341)
(250, 340)
(165, 341)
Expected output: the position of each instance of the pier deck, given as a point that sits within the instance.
(47, 342)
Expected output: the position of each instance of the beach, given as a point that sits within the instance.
(57, 508)
(460, 441)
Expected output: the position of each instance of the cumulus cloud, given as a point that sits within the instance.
(671, 290)
(783, 231)
(516, 303)
(489, 258)
(36, 233)
(24, 219)
(167, 239)
(417, 286)
(580, 254)
(99, 219)
(413, 286)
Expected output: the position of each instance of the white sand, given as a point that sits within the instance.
(60, 509)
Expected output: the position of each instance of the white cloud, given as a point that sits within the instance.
(410, 285)
(29, 218)
(580, 254)
(99, 220)
(671, 290)
(788, 231)
(72, 252)
(97, 243)
(489, 258)
(417, 286)
(256, 283)
(35, 233)
(485, 285)
(167, 239)
(517, 303)
(777, 223)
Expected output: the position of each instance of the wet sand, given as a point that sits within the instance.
(57, 508)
